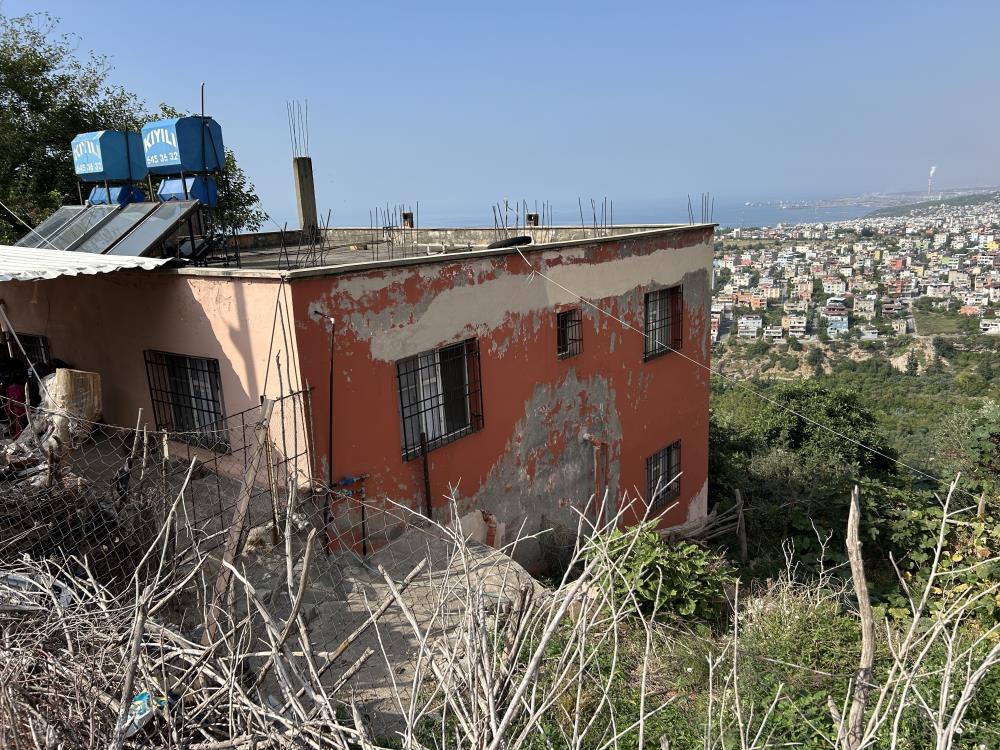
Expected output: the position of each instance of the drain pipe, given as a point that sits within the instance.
(319, 315)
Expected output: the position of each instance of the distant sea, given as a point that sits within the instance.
(726, 214)
(740, 215)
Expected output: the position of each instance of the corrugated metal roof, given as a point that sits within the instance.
(33, 264)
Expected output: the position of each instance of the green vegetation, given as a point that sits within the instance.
(790, 649)
(789, 362)
(665, 579)
(45, 84)
(788, 457)
(936, 322)
(912, 409)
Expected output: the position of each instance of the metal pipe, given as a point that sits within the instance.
(329, 427)
(427, 474)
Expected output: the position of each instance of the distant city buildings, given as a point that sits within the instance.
(859, 278)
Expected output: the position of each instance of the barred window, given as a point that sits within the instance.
(187, 398)
(440, 398)
(663, 485)
(569, 333)
(664, 321)
(35, 346)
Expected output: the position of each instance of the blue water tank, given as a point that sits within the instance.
(202, 188)
(120, 195)
(112, 155)
(183, 144)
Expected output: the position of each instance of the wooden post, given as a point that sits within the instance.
(851, 730)
(981, 508)
(272, 485)
(741, 528)
(235, 536)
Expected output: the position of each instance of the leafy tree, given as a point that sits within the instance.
(986, 368)
(968, 440)
(794, 454)
(756, 349)
(912, 364)
(935, 367)
(943, 347)
(49, 94)
(239, 207)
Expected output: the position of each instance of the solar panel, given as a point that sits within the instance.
(154, 228)
(90, 218)
(39, 236)
(108, 233)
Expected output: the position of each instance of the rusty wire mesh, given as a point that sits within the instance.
(105, 497)
(102, 503)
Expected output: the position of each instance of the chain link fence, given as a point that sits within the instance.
(102, 497)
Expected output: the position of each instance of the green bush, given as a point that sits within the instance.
(666, 579)
(757, 349)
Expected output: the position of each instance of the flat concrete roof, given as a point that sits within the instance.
(305, 261)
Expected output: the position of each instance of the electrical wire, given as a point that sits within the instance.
(742, 385)
(29, 227)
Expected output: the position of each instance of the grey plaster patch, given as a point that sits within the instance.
(546, 474)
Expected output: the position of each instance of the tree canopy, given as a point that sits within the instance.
(48, 94)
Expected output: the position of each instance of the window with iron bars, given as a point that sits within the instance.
(35, 346)
(569, 333)
(187, 398)
(440, 397)
(663, 485)
(664, 321)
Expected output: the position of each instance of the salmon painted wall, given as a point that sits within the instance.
(105, 322)
(534, 460)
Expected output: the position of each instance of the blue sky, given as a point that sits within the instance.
(458, 105)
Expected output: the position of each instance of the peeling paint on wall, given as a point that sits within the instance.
(476, 301)
(533, 464)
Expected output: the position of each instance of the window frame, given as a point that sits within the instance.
(569, 333)
(173, 377)
(662, 467)
(433, 413)
(663, 312)
(37, 342)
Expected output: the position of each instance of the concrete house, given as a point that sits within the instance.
(748, 326)
(438, 364)
(773, 333)
(865, 308)
(795, 325)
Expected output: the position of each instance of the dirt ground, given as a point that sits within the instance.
(343, 590)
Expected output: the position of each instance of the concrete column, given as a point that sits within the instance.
(305, 192)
